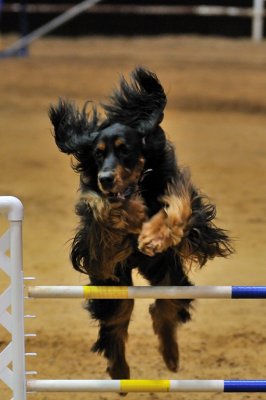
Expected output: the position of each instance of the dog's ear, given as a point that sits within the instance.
(138, 103)
(72, 129)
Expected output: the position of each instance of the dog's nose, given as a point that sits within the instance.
(106, 179)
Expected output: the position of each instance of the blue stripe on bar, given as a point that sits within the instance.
(245, 386)
(248, 292)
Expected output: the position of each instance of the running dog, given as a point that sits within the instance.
(137, 209)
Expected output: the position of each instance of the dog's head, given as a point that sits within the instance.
(118, 155)
(111, 154)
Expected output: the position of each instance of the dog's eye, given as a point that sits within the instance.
(123, 150)
(99, 154)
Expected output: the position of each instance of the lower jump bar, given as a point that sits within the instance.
(229, 386)
(148, 292)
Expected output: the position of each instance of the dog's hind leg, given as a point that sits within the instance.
(112, 338)
(167, 315)
(114, 317)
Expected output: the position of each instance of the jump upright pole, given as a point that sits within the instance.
(13, 296)
(148, 292)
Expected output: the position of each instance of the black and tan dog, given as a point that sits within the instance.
(137, 209)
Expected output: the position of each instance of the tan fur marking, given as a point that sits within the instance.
(136, 214)
(125, 177)
(109, 239)
(101, 146)
(119, 142)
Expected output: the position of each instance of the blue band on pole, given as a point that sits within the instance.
(245, 386)
(248, 292)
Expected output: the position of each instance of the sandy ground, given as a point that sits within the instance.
(216, 116)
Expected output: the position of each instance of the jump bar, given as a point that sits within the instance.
(148, 292)
(229, 386)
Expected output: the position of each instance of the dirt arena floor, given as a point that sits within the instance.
(216, 116)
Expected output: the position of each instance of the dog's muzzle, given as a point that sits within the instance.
(106, 180)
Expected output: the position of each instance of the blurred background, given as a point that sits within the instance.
(127, 17)
(211, 59)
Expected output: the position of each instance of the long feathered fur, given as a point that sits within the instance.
(139, 103)
(72, 128)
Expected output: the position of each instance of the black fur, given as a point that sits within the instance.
(131, 133)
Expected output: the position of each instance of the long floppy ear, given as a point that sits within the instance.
(72, 129)
(138, 103)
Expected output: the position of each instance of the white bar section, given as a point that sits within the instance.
(196, 386)
(258, 20)
(67, 385)
(220, 10)
(63, 292)
(180, 292)
(138, 292)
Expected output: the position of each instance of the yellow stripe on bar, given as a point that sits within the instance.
(140, 385)
(105, 292)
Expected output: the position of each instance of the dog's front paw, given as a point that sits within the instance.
(153, 241)
(160, 233)
(155, 236)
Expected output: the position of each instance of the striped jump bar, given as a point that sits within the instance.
(148, 292)
(124, 386)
